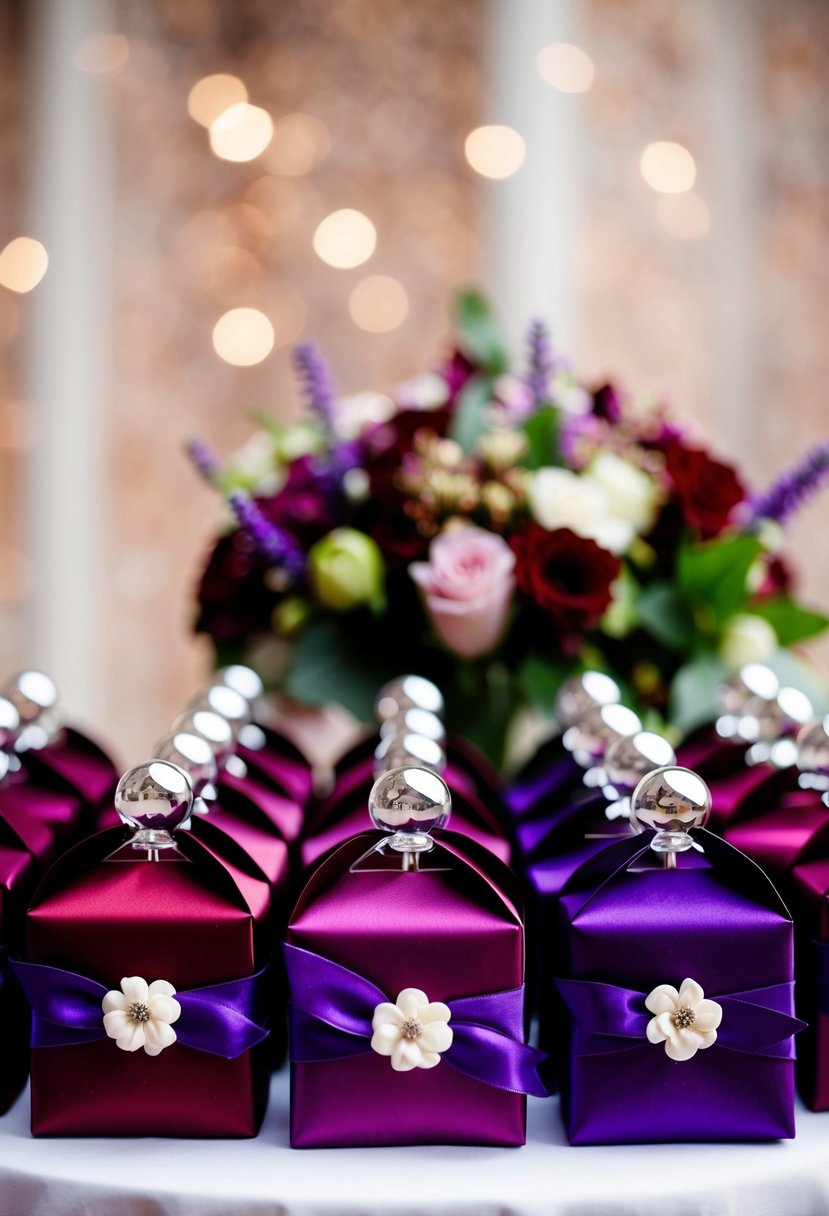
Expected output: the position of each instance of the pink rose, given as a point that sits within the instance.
(467, 585)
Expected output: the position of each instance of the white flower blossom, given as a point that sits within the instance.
(560, 498)
(413, 1032)
(632, 494)
(140, 1015)
(684, 1021)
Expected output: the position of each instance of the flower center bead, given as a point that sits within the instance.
(684, 1017)
(139, 1012)
(411, 1028)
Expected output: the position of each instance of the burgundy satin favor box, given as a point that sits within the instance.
(113, 929)
(381, 959)
(678, 981)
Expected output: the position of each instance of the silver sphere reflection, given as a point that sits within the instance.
(211, 727)
(227, 703)
(589, 738)
(415, 721)
(671, 801)
(9, 724)
(241, 679)
(193, 754)
(813, 747)
(32, 693)
(407, 692)
(581, 693)
(399, 751)
(154, 797)
(628, 759)
(409, 800)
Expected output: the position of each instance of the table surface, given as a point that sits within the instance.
(264, 1177)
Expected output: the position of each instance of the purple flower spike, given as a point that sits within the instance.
(542, 361)
(277, 547)
(204, 459)
(315, 381)
(791, 490)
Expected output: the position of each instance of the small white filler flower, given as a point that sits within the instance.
(413, 1032)
(140, 1015)
(684, 1021)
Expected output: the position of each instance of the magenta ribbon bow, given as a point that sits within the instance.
(220, 1019)
(332, 1010)
(609, 1018)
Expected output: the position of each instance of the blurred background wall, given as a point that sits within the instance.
(661, 195)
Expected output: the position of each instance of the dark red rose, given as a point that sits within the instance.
(234, 600)
(310, 503)
(607, 404)
(777, 578)
(457, 370)
(566, 575)
(708, 490)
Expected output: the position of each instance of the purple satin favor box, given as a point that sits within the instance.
(406, 982)
(678, 981)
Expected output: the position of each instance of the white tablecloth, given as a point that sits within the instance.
(264, 1177)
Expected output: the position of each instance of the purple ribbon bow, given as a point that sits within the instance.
(221, 1019)
(609, 1018)
(332, 1010)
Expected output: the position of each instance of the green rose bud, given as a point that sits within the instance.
(346, 569)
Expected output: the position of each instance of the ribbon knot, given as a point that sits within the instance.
(332, 1009)
(220, 1019)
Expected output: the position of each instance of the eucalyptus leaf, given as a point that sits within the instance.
(327, 666)
(693, 699)
(479, 337)
(468, 421)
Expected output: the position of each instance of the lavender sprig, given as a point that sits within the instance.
(276, 546)
(791, 490)
(542, 361)
(315, 382)
(204, 459)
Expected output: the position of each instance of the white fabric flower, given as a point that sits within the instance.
(685, 1021)
(140, 1015)
(560, 498)
(413, 1032)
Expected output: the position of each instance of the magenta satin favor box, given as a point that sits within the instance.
(366, 935)
(194, 922)
(705, 947)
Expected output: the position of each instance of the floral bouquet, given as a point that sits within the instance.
(497, 530)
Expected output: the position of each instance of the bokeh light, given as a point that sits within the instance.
(495, 151)
(345, 239)
(243, 337)
(566, 67)
(668, 167)
(241, 133)
(378, 304)
(23, 264)
(300, 142)
(212, 95)
(101, 54)
(685, 216)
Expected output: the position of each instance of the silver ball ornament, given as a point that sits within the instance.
(154, 797)
(409, 800)
(670, 801)
(407, 692)
(584, 692)
(211, 727)
(629, 758)
(9, 724)
(227, 703)
(813, 747)
(32, 693)
(589, 738)
(241, 679)
(399, 751)
(193, 754)
(415, 721)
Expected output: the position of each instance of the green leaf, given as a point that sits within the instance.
(694, 691)
(326, 666)
(622, 617)
(666, 616)
(541, 430)
(540, 679)
(791, 622)
(469, 416)
(714, 572)
(479, 337)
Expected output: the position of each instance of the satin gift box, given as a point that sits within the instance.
(811, 904)
(362, 933)
(717, 921)
(104, 912)
(738, 790)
